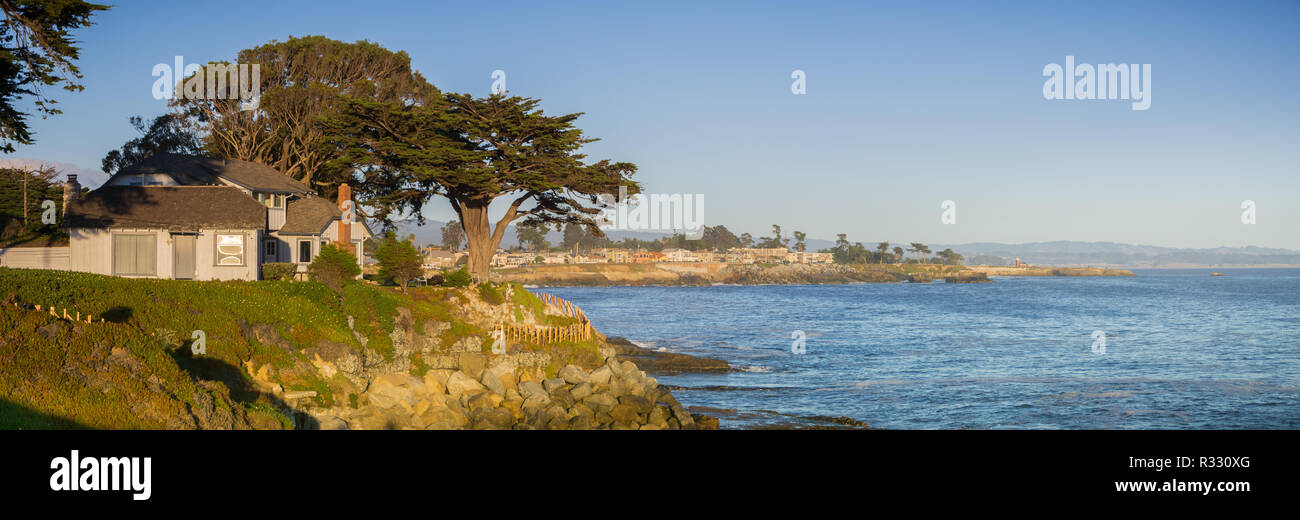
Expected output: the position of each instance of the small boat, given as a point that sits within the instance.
(1216, 274)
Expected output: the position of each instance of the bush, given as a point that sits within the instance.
(490, 294)
(334, 266)
(457, 278)
(278, 270)
(399, 261)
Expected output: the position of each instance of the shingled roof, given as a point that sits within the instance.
(193, 170)
(173, 208)
(255, 176)
(309, 215)
(188, 170)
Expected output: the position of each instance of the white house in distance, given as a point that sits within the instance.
(199, 218)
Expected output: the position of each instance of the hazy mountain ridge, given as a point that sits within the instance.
(1116, 254)
(1054, 253)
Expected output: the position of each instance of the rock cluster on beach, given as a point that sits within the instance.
(496, 394)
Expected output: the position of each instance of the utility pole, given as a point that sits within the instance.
(24, 199)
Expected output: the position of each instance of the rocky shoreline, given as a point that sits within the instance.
(663, 363)
(428, 384)
(669, 363)
(698, 274)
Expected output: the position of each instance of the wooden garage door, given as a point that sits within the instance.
(135, 255)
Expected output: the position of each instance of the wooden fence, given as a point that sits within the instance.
(563, 306)
(580, 331)
(574, 332)
(74, 316)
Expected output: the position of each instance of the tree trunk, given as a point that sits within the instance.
(481, 238)
(478, 235)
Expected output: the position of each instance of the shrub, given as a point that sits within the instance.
(278, 270)
(457, 278)
(334, 266)
(490, 294)
(398, 260)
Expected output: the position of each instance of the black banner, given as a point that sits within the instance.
(158, 468)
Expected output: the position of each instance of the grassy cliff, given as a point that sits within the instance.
(268, 346)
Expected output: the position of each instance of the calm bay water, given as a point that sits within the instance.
(1183, 349)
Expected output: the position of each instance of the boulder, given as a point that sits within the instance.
(491, 419)
(572, 374)
(705, 422)
(601, 402)
(459, 383)
(473, 363)
(580, 391)
(581, 422)
(435, 381)
(683, 417)
(515, 407)
(500, 378)
(639, 404)
(390, 390)
(372, 418)
(623, 414)
(600, 375)
(659, 416)
(531, 389)
(441, 417)
(562, 397)
(551, 384)
(331, 422)
(482, 400)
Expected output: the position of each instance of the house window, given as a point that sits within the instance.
(304, 251)
(135, 255)
(230, 249)
(271, 200)
(270, 248)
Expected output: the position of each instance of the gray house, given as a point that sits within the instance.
(199, 218)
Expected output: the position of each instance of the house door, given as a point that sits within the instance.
(183, 257)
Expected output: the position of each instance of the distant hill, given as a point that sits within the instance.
(1057, 253)
(1068, 253)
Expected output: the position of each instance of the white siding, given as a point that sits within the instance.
(92, 252)
(35, 257)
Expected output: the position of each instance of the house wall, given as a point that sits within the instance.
(92, 252)
(206, 251)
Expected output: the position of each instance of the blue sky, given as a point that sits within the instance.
(906, 105)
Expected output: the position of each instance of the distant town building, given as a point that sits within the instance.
(679, 255)
(439, 258)
(761, 254)
(646, 257)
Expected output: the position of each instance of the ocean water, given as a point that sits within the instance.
(1183, 350)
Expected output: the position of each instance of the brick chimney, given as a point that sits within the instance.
(345, 228)
(71, 191)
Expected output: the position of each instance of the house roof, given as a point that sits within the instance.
(193, 170)
(184, 168)
(308, 215)
(173, 208)
(255, 176)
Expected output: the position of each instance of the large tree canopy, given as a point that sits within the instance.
(473, 151)
(302, 82)
(37, 50)
(168, 133)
